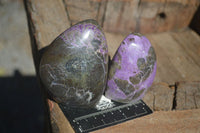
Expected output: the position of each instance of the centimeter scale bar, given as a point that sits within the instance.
(87, 120)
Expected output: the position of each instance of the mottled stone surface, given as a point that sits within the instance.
(74, 67)
(132, 69)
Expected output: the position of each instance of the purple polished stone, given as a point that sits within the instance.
(74, 67)
(132, 69)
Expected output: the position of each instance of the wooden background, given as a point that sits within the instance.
(124, 16)
(175, 93)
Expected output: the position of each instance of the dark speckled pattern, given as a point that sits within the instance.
(132, 69)
(74, 67)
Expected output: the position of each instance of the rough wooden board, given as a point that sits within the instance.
(190, 44)
(188, 95)
(101, 12)
(184, 2)
(177, 56)
(47, 19)
(148, 16)
(159, 97)
(113, 42)
(59, 122)
(187, 121)
(120, 16)
(177, 15)
(79, 10)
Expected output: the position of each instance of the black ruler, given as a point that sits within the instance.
(111, 113)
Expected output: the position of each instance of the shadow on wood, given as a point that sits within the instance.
(22, 106)
(195, 23)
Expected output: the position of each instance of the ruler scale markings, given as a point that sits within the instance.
(112, 123)
(104, 111)
(120, 120)
(89, 120)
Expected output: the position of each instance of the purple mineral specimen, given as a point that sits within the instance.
(132, 69)
(74, 67)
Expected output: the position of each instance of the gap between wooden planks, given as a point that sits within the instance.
(177, 54)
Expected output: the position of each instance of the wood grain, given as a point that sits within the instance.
(187, 121)
(59, 122)
(160, 97)
(49, 20)
(79, 10)
(177, 56)
(188, 95)
(113, 42)
(184, 2)
(148, 16)
(121, 16)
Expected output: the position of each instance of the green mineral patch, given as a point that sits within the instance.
(151, 59)
(96, 43)
(124, 86)
(138, 34)
(136, 79)
(141, 63)
(137, 94)
(147, 72)
(113, 68)
(131, 39)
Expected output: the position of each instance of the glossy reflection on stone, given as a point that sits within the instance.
(74, 67)
(132, 69)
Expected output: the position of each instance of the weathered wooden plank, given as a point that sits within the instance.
(174, 16)
(184, 2)
(113, 42)
(47, 19)
(165, 50)
(189, 42)
(101, 12)
(79, 10)
(188, 95)
(160, 97)
(59, 122)
(177, 56)
(187, 121)
(148, 16)
(121, 16)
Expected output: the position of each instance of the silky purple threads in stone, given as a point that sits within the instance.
(74, 66)
(132, 69)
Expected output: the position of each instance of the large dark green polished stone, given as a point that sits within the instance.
(74, 67)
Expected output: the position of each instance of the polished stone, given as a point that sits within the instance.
(132, 69)
(74, 67)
